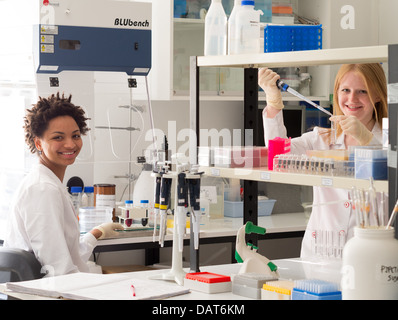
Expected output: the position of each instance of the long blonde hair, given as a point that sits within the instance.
(375, 81)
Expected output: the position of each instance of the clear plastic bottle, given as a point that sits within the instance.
(248, 28)
(370, 265)
(76, 195)
(232, 32)
(215, 30)
(88, 197)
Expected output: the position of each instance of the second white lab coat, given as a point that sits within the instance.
(325, 219)
(42, 220)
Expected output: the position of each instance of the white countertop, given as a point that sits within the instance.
(290, 269)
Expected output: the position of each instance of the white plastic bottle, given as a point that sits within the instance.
(370, 265)
(232, 31)
(88, 197)
(215, 30)
(248, 28)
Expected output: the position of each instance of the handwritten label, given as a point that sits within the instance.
(387, 274)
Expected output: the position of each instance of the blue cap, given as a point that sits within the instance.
(128, 201)
(89, 189)
(144, 201)
(76, 189)
(247, 3)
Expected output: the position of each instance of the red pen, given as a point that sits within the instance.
(133, 289)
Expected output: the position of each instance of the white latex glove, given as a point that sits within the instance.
(108, 230)
(353, 127)
(267, 81)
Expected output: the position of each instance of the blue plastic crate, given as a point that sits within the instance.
(292, 38)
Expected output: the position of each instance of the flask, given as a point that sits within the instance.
(216, 30)
(76, 195)
(232, 32)
(370, 265)
(88, 197)
(248, 28)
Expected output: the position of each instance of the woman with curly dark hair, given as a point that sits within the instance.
(42, 219)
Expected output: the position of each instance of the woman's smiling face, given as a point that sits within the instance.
(61, 143)
(354, 98)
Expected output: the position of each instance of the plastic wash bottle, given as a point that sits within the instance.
(370, 265)
(216, 30)
(248, 28)
(233, 42)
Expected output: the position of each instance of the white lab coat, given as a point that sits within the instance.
(42, 220)
(335, 218)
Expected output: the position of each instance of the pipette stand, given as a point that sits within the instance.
(176, 273)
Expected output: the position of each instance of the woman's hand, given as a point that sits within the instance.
(106, 230)
(267, 81)
(353, 127)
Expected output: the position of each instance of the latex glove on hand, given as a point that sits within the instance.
(108, 230)
(353, 127)
(267, 81)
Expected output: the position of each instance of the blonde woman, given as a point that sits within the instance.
(360, 104)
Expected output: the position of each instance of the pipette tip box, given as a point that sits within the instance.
(250, 284)
(207, 282)
(277, 290)
(312, 289)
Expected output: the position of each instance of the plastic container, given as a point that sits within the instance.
(207, 282)
(250, 284)
(292, 38)
(144, 188)
(370, 265)
(234, 209)
(76, 195)
(88, 197)
(314, 289)
(248, 28)
(105, 196)
(277, 146)
(233, 42)
(216, 30)
(266, 7)
(371, 163)
(90, 217)
(180, 8)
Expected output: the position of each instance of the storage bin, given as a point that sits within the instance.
(292, 38)
(234, 209)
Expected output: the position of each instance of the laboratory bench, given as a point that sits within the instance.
(278, 226)
(289, 269)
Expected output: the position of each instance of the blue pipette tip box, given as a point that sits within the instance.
(311, 289)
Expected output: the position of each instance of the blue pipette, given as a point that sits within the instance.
(285, 87)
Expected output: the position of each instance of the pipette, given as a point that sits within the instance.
(285, 87)
(165, 190)
(194, 201)
(182, 194)
(393, 215)
(158, 180)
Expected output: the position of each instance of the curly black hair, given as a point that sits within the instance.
(46, 109)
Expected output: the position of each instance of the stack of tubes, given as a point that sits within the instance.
(368, 212)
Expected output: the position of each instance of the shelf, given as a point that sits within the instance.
(374, 54)
(264, 175)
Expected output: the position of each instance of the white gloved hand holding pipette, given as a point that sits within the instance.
(353, 127)
(267, 81)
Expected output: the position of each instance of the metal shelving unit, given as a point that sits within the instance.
(250, 63)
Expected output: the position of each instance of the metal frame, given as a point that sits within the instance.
(393, 134)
